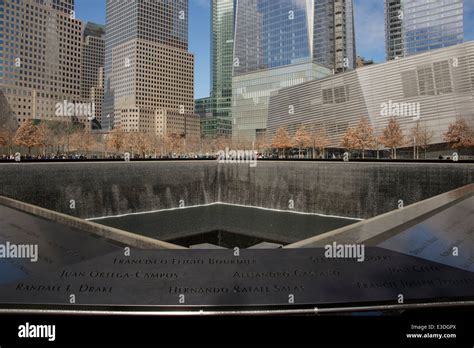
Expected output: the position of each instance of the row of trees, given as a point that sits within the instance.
(315, 139)
(67, 137)
(149, 144)
(54, 136)
(362, 138)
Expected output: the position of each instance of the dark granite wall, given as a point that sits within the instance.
(102, 189)
(281, 227)
(358, 190)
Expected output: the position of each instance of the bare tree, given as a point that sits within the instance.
(206, 144)
(459, 135)
(364, 136)
(6, 137)
(350, 141)
(174, 143)
(241, 143)
(69, 127)
(281, 140)
(194, 145)
(141, 143)
(55, 134)
(116, 139)
(319, 140)
(392, 136)
(378, 144)
(219, 143)
(28, 135)
(3, 138)
(302, 139)
(153, 143)
(82, 141)
(422, 137)
(261, 145)
(136, 142)
(45, 138)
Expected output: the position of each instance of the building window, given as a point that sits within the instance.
(410, 84)
(328, 97)
(340, 94)
(442, 75)
(425, 80)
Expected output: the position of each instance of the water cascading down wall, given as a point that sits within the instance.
(354, 190)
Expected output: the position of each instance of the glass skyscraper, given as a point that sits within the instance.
(271, 34)
(222, 52)
(275, 33)
(415, 26)
(281, 43)
(215, 111)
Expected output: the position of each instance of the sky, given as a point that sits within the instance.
(369, 25)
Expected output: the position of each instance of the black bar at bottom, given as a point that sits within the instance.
(426, 327)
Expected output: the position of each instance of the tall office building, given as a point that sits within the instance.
(281, 43)
(415, 26)
(40, 57)
(222, 53)
(92, 67)
(215, 111)
(148, 69)
(334, 34)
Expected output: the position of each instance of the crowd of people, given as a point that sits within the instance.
(69, 157)
(64, 156)
(47, 157)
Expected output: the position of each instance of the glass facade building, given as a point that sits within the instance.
(204, 107)
(215, 111)
(275, 33)
(271, 34)
(415, 26)
(280, 43)
(252, 94)
(212, 127)
(433, 88)
(222, 53)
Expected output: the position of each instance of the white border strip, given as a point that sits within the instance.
(198, 311)
(222, 203)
